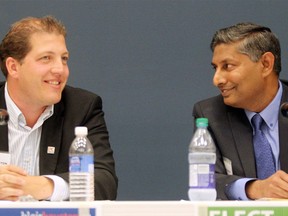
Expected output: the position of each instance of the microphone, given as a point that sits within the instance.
(284, 109)
(4, 117)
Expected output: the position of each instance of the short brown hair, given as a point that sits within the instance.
(16, 42)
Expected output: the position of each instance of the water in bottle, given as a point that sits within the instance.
(81, 167)
(202, 159)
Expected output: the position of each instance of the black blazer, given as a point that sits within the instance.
(76, 108)
(233, 136)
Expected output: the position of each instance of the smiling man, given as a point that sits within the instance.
(247, 62)
(43, 114)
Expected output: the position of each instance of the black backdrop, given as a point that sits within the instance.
(149, 60)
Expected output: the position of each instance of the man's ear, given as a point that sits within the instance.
(12, 67)
(268, 60)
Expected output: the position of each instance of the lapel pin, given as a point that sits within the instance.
(50, 150)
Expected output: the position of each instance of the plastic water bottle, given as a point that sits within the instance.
(81, 167)
(202, 159)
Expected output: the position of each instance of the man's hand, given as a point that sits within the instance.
(39, 187)
(14, 182)
(11, 182)
(276, 186)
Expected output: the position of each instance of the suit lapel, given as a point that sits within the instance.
(3, 128)
(244, 145)
(240, 125)
(50, 137)
(51, 141)
(4, 138)
(283, 130)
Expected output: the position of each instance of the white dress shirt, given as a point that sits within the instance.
(24, 144)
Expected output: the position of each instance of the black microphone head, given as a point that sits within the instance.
(4, 117)
(284, 109)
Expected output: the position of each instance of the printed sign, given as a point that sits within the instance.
(47, 211)
(247, 211)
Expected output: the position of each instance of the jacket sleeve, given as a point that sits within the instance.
(105, 176)
(79, 108)
(212, 110)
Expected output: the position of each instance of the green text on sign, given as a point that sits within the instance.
(248, 211)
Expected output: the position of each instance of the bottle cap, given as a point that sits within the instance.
(202, 122)
(81, 130)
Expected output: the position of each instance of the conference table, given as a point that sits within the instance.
(146, 208)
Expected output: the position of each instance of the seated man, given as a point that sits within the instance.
(251, 160)
(43, 113)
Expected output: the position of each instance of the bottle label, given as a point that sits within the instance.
(202, 175)
(81, 163)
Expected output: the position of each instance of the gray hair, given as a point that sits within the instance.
(255, 41)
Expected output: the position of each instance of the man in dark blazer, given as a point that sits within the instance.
(247, 63)
(44, 110)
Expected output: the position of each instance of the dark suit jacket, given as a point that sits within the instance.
(233, 136)
(76, 108)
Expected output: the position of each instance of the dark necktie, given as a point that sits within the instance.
(263, 153)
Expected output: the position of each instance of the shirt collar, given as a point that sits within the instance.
(270, 113)
(17, 117)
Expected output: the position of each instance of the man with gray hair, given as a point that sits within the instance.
(251, 158)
